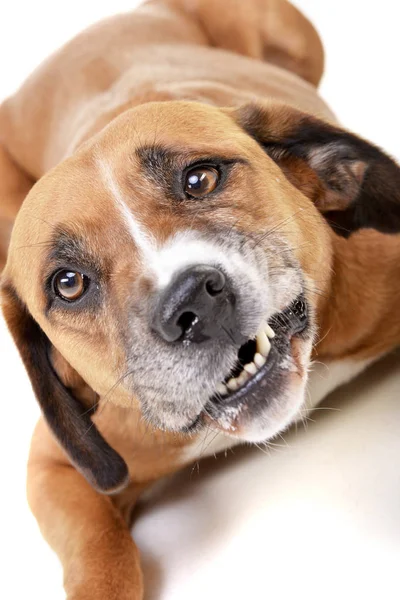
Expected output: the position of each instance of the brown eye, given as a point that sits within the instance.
(70, 285)
(201, 181)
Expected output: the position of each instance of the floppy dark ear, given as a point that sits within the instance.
(352, 182)
(66, 416)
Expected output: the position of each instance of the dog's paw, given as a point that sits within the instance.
(114, 594)
(107, 588)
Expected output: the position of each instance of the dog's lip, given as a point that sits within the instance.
(225, 408)
(219, 406)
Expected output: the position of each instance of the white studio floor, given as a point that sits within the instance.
(319, 516)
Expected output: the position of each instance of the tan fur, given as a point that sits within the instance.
(365, 323)
(14, 185)
(56, 121)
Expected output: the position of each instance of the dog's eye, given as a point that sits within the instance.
(70, 285)
(201, 181)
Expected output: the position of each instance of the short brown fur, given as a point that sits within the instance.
(358, 279)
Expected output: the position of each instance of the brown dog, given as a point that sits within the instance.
(199, 224)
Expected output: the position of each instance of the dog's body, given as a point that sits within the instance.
(160, 77)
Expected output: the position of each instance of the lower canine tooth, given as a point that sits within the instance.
(232, 385)
(250, 368)
(263, 344)
(269, 331)
(259, 359)
(222, 389)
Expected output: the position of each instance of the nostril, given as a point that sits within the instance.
(187, 320)
(215, 284)
(212, 290)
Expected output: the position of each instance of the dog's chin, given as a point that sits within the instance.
(266, 389)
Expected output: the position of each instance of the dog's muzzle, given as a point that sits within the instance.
(200, 309)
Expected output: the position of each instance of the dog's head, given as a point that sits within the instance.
(180, 260)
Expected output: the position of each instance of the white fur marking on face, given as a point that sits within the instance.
(187, 248)
(144, 240)
(181, 251)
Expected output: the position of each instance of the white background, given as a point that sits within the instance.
(327, 525)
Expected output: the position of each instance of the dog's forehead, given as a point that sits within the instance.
(103, 195)
(174, 124)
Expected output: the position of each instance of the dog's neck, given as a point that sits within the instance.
(361, 317)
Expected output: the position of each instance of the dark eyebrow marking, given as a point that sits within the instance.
(158, 163)
(70, 250)
(67, 247)
(155, 156)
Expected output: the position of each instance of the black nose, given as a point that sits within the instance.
(199, 304)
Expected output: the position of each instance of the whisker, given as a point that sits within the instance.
(205, 450)
(38, 244)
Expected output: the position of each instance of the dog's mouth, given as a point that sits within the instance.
(258, 370)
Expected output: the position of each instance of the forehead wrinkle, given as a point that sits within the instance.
(144, 240)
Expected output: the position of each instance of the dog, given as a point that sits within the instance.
(184, 227)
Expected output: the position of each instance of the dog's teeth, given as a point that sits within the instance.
(259, 360)
(243, 377)
(237, 382)
(250, 368)
(269, 331)
(232, 385)
(263, 344)
(222, 390)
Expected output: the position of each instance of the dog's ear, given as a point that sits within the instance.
(67, 416)
(15, 184)
(351, 181)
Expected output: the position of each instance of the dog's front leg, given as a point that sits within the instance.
(86, 530)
